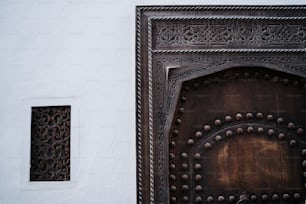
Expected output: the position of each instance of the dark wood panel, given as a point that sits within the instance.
(240, 132)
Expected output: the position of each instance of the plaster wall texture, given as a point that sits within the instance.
(79, 52)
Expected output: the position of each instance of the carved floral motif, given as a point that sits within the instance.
(230, 33)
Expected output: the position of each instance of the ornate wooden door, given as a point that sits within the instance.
(221, 104)
(238, 136)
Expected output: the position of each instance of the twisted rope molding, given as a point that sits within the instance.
(229, 51)
(191, 8)
(139, 109)
(174, 18)
(150, 111)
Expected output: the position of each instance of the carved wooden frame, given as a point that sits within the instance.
(164, 59)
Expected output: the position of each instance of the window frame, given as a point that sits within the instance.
(74, 104)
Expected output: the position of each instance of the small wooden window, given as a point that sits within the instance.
(50, 143)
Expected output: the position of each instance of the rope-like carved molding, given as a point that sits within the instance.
(150, 112)
(198, 8)
(229, 51)
(175, 18)
(139, 109)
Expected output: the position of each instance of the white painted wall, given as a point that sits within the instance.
(80, 51)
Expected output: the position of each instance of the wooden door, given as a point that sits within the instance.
(220, 104)
(237, 137)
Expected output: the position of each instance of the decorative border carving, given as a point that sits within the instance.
(160, 73)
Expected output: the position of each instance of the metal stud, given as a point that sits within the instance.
(304, 152)
(291, 125)
(172, 155)
(207, 128)
(239, 130)
(181, 110)
(198, 199)
(259, 115)
(260, 130)
(221, 198)
(264, 197)
(218, 122)
(210, 199)
(228, 118)
(172, 144)
(196, 85)
(253, 197)
(206, 83)
(207, 145)
(304, 174)
(198, 134)
(249, 115)
(267, 76)
(172, 177)
(173, 188)
(184, 166)
(198, 188)
(173, 199)
(184, 176)
(187, 88)
(271, 132)
(304, 163)
(175, 132)
(275, 197)
(197, 166)
(185, 198)
(183, 99)
(246, 74)
(231, 198)
(178, 121)
(185, 187)
(218, 138)
(285, 81)
(228, 133)
(197, 155)
(269, 117)
(296, 196)
(286, 196)
(238, 116)
(300, 131)
(198, 177)
(172, 166)
(190, 141)
(281, 136)
(295, 83)
(292, 143)
(280, 120)
(250, 129)
(184, 155)
(275, 79)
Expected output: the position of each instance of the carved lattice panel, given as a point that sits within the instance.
(220, 53)
(50, 143)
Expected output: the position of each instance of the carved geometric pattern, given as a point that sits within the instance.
(179, 43)
(50, 143)
(231, 33)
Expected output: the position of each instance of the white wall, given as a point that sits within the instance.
(82, 50)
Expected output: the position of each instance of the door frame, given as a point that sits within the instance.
(169, 52)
